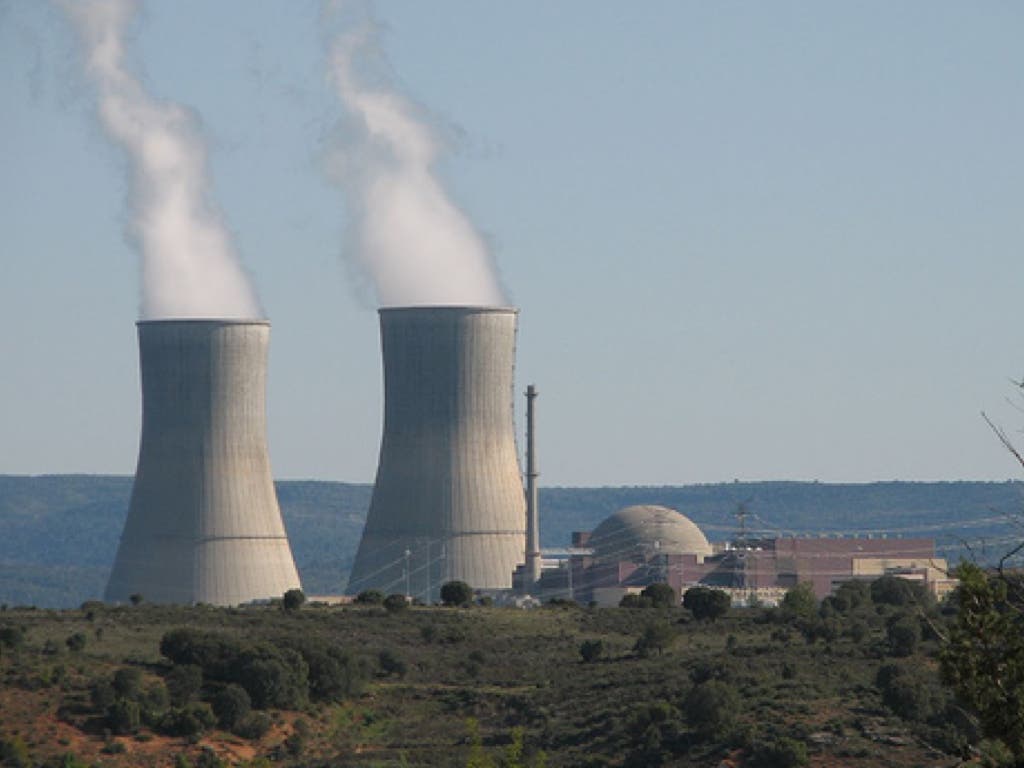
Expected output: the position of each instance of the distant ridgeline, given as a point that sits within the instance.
(58, 533)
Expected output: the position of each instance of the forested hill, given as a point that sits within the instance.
(58, 533)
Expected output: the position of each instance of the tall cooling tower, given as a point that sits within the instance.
(448, 502)
(203, 524)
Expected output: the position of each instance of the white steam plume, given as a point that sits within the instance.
(419, 248)
(189, 265)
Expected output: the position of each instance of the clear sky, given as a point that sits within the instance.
(748, 240)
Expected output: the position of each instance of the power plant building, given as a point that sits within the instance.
(641, 545)
(448, 501)
(203, 523)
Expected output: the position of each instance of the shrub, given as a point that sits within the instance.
(370, 597)
(656, 636)
(781, 752)
(183, 682)
(14, 752)
(127, 683)
(591, 650)
(456, 593)
(333, 673)
(293, 600)
(892, 590)
(800, 601)
(11, 636)
(124, 716)
(76, 642)
(136, 598)
(254, 726)
(911, 693)
(633, 601)
(395, 603)
(706, 604)
(904, 636)
(188, 721)
(661, 595)
(231, 705)
(391, 663)
(711, 708)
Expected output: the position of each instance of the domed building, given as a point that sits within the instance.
(641, 532)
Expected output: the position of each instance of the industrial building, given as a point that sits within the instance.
(641, 545)
(203, 522)
(448, 500)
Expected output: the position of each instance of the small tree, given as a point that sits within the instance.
(800, 601)
(591, 650)
(706, 604)
(136, 598)
(456, 593)
(293, 600)
(370, 597)
(76, 642)
(395, 603)
(657, 636)
(231, 705)
(661, 595)
(712, 708)
(183, 682)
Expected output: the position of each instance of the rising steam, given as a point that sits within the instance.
(189, 266)
(418, 247)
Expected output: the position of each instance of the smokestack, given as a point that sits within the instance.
(203, 524)
(448, 500)
(532, 510)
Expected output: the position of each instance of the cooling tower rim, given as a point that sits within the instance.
(449, 308)
(178, 321)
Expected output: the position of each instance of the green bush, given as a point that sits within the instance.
(370, 597)
(912, 692)
(124, 716)
(11, 636)
(76, 642)
(456, 593)
(293, 600)
(391, 663)
(127, 683)
(183, 681)
(706, 604)
(904, 635)
(591, 650)
(711, 708)
(781, 752)
(657, 636)
(254, 726)
(14, 752)
(661, 595)
(395, 603)
(800, 601)
(231, 705)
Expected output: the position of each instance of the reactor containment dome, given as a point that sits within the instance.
(203, 523)
(643, 531)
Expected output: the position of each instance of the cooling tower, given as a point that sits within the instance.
(203, 523)
(448, 502)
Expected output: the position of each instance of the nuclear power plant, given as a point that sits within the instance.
(203, 523)
(448, 502)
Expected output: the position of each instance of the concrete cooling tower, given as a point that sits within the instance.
(448, 502)
(203, 524)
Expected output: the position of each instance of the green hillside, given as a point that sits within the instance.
(60, 532)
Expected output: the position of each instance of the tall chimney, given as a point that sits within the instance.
(203, 523)
(532, 510)
(448, 500)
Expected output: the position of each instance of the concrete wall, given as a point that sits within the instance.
(203, 523)
(448, 488)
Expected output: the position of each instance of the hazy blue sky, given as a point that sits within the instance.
(748, 240)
